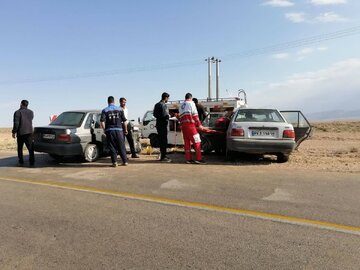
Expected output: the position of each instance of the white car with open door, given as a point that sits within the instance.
(266, 131)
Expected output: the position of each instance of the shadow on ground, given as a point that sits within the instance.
(45, 161)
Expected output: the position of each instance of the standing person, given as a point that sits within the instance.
(200, 109)
(113, 120)
(129, 135)
(23, 131)
(189, 120)
(161, 113)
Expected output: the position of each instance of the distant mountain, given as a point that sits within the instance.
(334, 115)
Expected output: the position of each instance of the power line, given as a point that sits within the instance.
(248, 53)
(295, 43)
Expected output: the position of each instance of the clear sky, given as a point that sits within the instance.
(73, 54)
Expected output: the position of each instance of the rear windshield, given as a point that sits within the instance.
(69, 119)
(258, 115)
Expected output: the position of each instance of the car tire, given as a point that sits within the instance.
(206, 145)
(92, 152)
(282, 158)
(154, 140)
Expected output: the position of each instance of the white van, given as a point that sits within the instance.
(214, 109)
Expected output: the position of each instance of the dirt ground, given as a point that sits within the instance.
(334, 146)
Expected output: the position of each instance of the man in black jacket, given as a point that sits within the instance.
(23, 131)
(161, 113)
(200, 109)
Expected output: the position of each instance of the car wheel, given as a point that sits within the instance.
(206, 145)
(154, 140)
(281, 158)
(92, 152)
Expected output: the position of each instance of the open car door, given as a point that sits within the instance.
(302, 127)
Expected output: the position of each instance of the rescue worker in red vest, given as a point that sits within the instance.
(189, 120)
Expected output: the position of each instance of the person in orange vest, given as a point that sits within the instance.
(189, 120)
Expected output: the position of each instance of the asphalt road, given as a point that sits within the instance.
(148, 215)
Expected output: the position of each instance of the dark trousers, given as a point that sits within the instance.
(163, 141)
(116, 142)
(26, 139)
(130, 139)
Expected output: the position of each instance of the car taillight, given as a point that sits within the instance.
(237, 132)
(289, 134)
(64, 137)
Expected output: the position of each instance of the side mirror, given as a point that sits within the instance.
(139, 121)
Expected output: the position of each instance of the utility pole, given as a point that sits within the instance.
(210, 61)
(217, 78)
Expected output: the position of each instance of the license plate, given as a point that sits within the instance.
(48, 136)
(263, 133)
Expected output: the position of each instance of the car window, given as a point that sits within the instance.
(97, 123)
(211, 119)
(148, 117)
(258, 115)
(69, 119)
(90, 119)
(296, 118)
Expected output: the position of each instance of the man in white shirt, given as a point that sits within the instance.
(129, 135)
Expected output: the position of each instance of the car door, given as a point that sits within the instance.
(96, 128)
(302, 127)
(174, 132)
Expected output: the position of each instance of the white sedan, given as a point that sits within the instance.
(266, 131)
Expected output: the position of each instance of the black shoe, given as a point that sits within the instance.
(165, 159)
(32, 165)
(134, 156)
(190, 161)
(200, 162)
(20, 164)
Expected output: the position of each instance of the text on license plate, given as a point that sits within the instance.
(48, 136)
(267, 133)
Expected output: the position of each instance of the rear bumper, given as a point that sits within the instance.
(72, 149)
(260, 146)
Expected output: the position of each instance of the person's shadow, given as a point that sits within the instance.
(45, 161)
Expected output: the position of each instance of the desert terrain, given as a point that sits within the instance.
(334, 146)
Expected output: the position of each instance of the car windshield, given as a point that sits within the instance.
(258, 115)
(69, 119)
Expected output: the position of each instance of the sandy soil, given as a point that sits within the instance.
(6, 140)
(334, 146)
